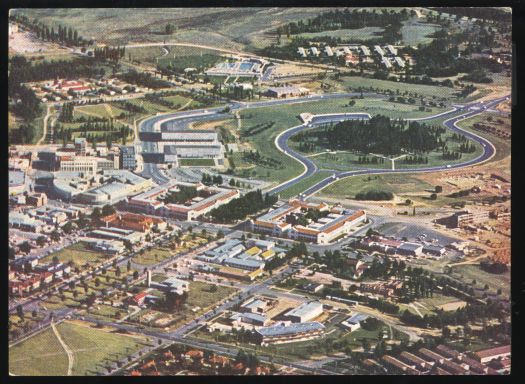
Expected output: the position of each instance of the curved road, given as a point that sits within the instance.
(310, 168)
(182, 119)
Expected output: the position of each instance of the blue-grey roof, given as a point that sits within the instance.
(410, 246)
(250, 316)
(357, 318)
(243, 263)
(432, 247)
(278, 330)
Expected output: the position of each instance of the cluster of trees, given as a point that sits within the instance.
(380, 134)
(379, 304)
(494, 267)
(23, 71)
(143, 79)
(372, 160)
(477, 76)
(211, 179)
(297, 250)
(461, 316)
(346, 19)
(113, 54)
(468, 147)
(130, 107)
(415, 160)
(306, 146)
(239, 208)
(64, 35)
(154, 98)
(256, 158)
(169, 29)
(181, 196)
(66, 113)
(172, 301)
(234, 183)
(450, 155)
(258, 128)
(374, 195)
(111, 132)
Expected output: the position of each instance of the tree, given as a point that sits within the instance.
(220, 234)
(20, 311)
(433, 196)
(438, 189)
(169, 29)
(41, 241)
(108, 210)
(25, 247)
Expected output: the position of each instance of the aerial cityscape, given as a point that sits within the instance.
(259, 191)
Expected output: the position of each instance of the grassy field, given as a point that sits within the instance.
(354, 82)
(286, 116)
(303, 185)
(199, 61)
(388, 183)
(40, 355)
(200, 295)
(197, 162)
(415, 33)
(503, 146)
(92, 348)
(153, 256)
(347, 34)
(468, 273)
(77, 253)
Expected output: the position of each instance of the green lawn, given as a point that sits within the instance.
(467, 273)
(153, 256)
(388, 183)
(415, 33)
(303, 185)
(92, 348)
(197, 162)
(346, 34)
(102, 110)
(286, 116)
(40, 355)
(354, 82)
(77, 253)
(200, 295)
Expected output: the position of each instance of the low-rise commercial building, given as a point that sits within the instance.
(305, 312)
(280, 334)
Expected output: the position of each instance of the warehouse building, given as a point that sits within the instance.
(305, 312)
(283, 92)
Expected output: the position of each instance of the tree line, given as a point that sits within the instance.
(64, 35)
(237, 209)
(380, 134)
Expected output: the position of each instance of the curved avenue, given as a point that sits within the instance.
(310, 168)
